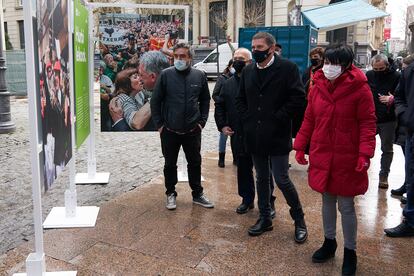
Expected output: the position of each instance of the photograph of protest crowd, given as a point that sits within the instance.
(54, 93)
(124, 39)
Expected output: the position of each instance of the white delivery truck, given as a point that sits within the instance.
(209, 64)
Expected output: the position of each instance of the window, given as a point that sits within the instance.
(211, 58)
(6, 29)
(19, 3)
(21, 33)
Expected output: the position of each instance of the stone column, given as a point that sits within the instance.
(269, 13)
(230, 19)
(204, 18)
(239, 17)
(196, 21)
(411, 27)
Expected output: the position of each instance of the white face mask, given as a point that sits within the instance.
(232, 70)
(331, 72)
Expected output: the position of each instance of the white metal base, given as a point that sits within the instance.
(85, 217)
(100, 178)
(183, 177)
(58, 273)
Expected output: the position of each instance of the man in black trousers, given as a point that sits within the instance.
(228, 122)
(179, 106)
(271, 92)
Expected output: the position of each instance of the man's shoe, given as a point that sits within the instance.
(301, 232)
(272, 213)
(244, 208)
(402, 230)
(400, 191)
(326, 252)
(203, 201)
(261, 226)
(222, 156)
(349, 264)
(171, 202)
(383, 182)
(403, 200)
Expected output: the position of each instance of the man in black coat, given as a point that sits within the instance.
(271, 92)
(228, 122)
(404, 109)
(179, 107)
(383, 81)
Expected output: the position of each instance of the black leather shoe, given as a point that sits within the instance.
(403, 200)
(402, 230)
(261, 226)
(244, 208)
(349, 264)
(326, 252)
(301, 233)
(400, 191)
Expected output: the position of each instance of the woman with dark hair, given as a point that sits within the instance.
(340, 126)
(227, 73)
(129, 95)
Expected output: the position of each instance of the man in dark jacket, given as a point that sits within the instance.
(229, 123)
(179, 107)
(271, 92)
(404, 107)
(383, 81)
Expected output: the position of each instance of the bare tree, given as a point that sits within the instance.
(219, 17)
(255, 13)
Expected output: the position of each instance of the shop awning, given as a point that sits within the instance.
(339, 15)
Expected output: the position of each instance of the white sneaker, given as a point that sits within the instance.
(171, 202)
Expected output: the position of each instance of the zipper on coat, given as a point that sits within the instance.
(185, 102)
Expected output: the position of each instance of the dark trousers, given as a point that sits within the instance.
(280, 167)
(245, 179)
(191, 143)
(408, 211)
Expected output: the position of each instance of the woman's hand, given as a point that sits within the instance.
(363, 164)
(300, 157)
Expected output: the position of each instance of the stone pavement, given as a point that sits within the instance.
(136, 235)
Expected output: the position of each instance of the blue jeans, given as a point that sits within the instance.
(408, 211)
(222, 142)
(280, 168)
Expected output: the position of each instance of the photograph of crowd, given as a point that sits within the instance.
(124, 39)
(54, 94)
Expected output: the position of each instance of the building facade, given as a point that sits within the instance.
(13, 24)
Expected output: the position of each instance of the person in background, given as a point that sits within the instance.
(404, 107)
(340, 127)
(227, 73)
(271, 91)
(400, 138)
(179, 107)
(383, 81)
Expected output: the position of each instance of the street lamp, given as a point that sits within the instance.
(298, 6)
(6, 125)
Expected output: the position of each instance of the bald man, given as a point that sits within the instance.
(228, 122)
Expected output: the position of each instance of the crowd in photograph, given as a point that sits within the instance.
(122, 47)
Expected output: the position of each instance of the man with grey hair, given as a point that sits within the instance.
(383, 81)
(179, 108)
(138, 116)
(228, 122)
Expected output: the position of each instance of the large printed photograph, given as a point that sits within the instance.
(124, 39)
(54, 93)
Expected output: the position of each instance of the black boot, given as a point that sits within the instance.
(222, 155)
(326, 252)
(262, 225)
(403, 200)
(350, 262)
(272, 206)
(400, 191)
(301, 232)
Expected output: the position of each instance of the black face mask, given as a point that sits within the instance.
(260, 56)
(238, 65)
(380, 73)
(315, 62)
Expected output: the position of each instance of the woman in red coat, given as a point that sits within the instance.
(340, 127)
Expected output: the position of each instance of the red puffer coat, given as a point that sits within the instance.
(340, 125)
